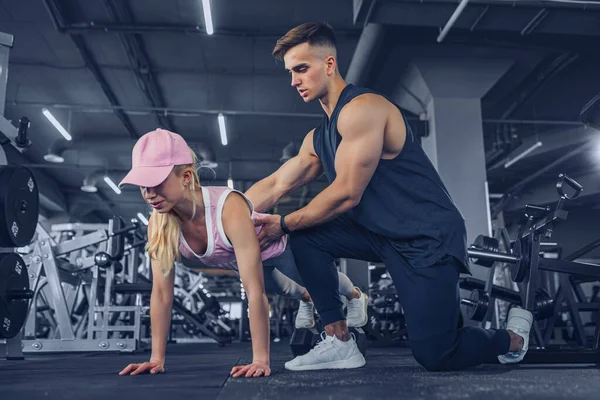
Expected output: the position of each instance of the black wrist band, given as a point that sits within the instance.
(284, 227)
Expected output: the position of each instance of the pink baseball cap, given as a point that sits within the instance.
(154, 156)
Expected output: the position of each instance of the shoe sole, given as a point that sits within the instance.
(506, 359)
(354, 362)
(364, 321)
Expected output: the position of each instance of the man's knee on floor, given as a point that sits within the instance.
(432, 354)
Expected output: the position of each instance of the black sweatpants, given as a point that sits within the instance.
(429, 296)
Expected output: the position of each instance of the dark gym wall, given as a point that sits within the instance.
(580, 228)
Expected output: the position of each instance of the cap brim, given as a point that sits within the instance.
(146, 176)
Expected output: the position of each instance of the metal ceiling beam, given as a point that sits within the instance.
(535, 22)
(239, 165)
(551, 142)
(229, 71)
(174, 111)
(450, 23)
(545, 71)
(56, 13)
(538, 4)
(139, 61)
(496, 38)
(246, 170)
(140, 28)
(503, 17)
(195, 112)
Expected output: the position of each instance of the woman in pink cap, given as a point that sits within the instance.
(209, 224)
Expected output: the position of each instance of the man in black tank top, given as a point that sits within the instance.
(385, 203)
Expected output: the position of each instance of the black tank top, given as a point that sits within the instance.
(405, 200)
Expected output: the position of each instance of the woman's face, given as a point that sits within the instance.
(171, 191)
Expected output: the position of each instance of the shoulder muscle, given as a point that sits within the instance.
(367, 112)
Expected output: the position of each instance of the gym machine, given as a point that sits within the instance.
(527, 269)
(94, 285)
(49, 269)
(195, 310)
(19, 213)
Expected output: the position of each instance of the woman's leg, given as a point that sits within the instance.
(286, 264)
(284, 275)
(277, 282)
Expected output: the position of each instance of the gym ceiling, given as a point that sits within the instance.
(111, 70)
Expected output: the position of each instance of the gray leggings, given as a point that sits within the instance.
(281, 277)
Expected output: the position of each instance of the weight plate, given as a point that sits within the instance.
(486, 243)
(13, 277)
(544, 305)
(519, 270)
(480, 304)
(19, 205)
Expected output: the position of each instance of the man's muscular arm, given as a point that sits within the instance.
(361, 124)
(295, 173)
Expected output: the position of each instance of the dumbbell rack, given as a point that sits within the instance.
(525, 265)
(20, 211)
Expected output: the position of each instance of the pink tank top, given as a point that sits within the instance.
(219, 250)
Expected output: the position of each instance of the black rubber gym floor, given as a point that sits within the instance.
(201, 371)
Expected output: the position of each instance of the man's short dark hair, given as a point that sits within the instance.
(313, 33)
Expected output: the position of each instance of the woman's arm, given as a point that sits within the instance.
(240, 230)
(161, 304)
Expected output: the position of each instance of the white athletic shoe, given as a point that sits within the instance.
(357, 311)
(329, 353)
(519, 322)
(305, 318)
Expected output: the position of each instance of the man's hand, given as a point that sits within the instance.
(271, 229)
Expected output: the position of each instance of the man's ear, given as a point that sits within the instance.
(331, 63)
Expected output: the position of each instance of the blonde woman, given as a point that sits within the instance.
(215, 225)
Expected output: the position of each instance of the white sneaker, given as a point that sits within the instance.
(357, 311)
(519, 322)
(329, 353)
(305, 318)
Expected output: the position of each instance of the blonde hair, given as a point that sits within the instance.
(163, 241)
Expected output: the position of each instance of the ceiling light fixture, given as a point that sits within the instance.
(56, 124)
